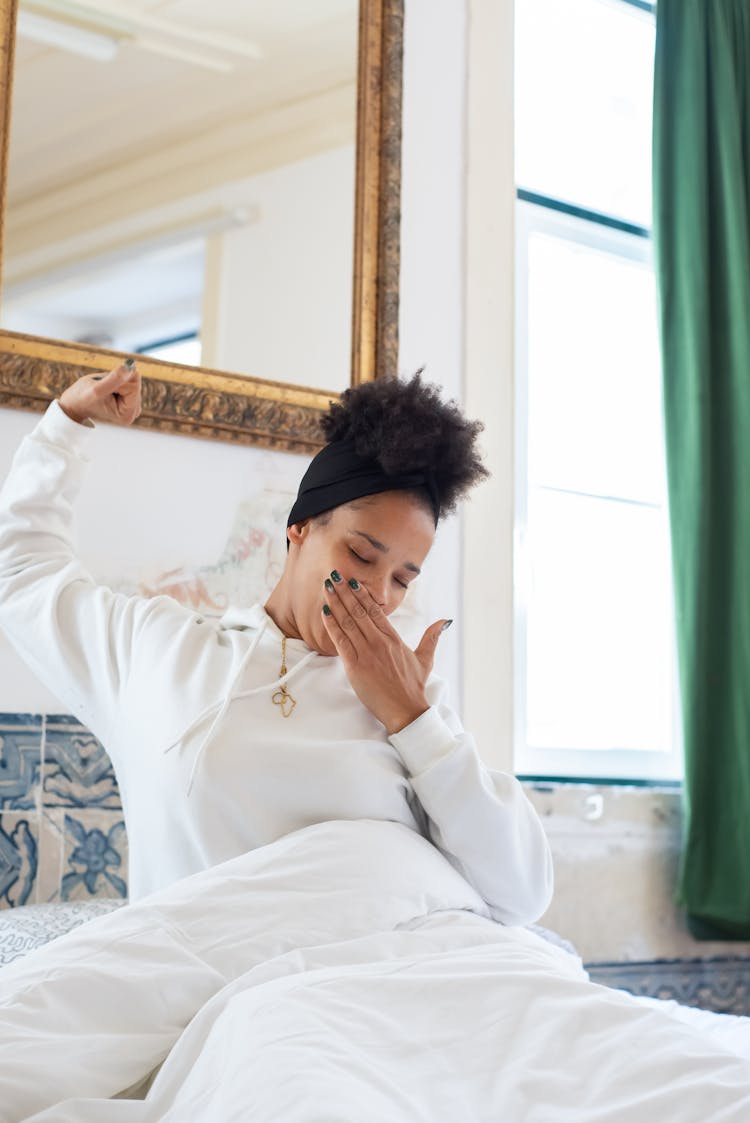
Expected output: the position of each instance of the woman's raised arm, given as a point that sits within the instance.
(77, 637)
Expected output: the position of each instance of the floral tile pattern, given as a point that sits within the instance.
(18, 858)
(20, 761)
(95, 856)
(62, 833)
(77, 771)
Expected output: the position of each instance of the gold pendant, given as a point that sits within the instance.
(284, 700)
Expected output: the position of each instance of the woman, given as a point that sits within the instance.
(226, 735)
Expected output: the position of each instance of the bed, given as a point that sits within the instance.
(345, 972)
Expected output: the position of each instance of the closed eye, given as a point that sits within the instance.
(366, 561)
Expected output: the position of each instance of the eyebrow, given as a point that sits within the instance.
(385, 549)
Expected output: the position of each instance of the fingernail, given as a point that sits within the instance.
(336, 576)
(446, 625)
(353, 584)
(329, 585)
(326, 610)
(130, 363)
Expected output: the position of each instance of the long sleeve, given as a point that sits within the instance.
(76, 636)
(481, 820)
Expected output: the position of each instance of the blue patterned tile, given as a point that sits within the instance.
(20, 761)
(15, 720)
(96, 856)
(65, 719)
(18, 858)
(51, 854)
(718, 983)
(77, 770)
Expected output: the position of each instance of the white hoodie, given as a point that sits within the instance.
(207, 765)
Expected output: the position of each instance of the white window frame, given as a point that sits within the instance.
(567, 762)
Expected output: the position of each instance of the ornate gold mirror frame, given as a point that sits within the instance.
(201, 402)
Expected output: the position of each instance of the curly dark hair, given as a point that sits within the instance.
(405, 426)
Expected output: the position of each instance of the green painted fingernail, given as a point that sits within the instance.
(353, 584)
(329, 585)
(326, 610)
(336, 576)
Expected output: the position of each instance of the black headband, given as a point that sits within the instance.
(338, 475)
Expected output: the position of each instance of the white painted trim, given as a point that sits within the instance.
(489, 366)
(211, 313)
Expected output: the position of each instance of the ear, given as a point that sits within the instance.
(298, 532)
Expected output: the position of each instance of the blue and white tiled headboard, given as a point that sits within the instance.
(62, 834)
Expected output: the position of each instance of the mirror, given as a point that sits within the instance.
(212, 189)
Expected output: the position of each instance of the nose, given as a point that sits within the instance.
(378, 590)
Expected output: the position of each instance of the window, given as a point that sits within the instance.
(596, 670)
(180, 349)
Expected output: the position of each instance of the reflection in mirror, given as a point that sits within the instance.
(181, 182)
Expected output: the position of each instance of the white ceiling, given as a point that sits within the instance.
(75, 117)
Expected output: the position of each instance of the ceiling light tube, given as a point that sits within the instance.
(111, 16)
(55, 33)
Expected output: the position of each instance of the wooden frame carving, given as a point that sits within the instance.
(205, 403)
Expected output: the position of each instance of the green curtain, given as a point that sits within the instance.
(701, 180)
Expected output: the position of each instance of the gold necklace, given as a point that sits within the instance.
(282, 698)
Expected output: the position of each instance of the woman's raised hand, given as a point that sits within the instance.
(387, 676)
(113, 397)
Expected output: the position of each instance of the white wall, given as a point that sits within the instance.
(616, 851)
(490, 366)
(283, 302)
(432, 271)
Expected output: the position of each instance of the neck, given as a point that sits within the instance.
(278, 607)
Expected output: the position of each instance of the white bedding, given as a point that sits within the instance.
(345, 973)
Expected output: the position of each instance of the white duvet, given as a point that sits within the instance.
(345, 973)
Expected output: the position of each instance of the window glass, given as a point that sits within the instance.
(599, 641)
(186, 351)
(596, 674)
(584, 88)
(594, 388)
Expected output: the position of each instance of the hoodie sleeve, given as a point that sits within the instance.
(76, 636)
(480, 820)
